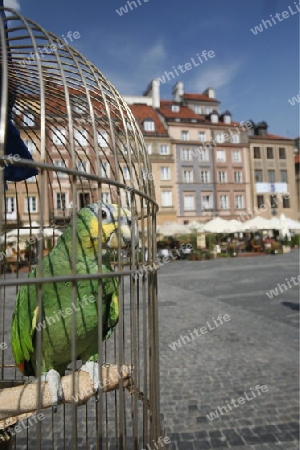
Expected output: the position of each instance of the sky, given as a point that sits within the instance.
(254, 75)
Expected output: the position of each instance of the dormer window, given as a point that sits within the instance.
(214, 118)
(227, 119)
(149, 125)
(175, 108)
(197, 109)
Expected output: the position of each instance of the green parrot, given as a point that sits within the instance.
(57, 310)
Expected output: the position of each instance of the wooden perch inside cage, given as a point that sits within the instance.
(20, 402)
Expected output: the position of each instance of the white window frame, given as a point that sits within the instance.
(214, 118)
(80, 137)
(175, 108)
(10, 205)
(60, 163)
(202, 136)
(189, 202)
(106, 197)
(165, 173)
(164, 149)
(224, 202)
(29, 119)
(197, 109)
(149, 125)
(222, 176)
(126, 173)
(59, 202)
(235, 138)
(219, 138)
(239, 201)
(188, 178)
(203, 154)
(207, 202)
(31, 201)
(205, 176)
(185, 135)
(166, 198)
(221, 156)
(149, 149)
(82, 166)
(102, 138)
(208, 109)
(237, 156)
(186, 154)
(238, 176)
(104, 169)
(59, 136)
(227, 119)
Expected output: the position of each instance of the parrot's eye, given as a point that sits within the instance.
(104, 215)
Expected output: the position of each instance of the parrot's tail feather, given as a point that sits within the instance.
(26, 368)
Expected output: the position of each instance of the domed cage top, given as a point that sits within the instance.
(79, 134)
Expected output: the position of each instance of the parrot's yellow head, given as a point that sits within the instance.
(118, 229)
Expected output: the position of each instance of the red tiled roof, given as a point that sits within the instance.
(271, 136)
(183, 113)
(199, 98)
(142, 112)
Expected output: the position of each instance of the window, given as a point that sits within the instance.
(59, 136)
(207, 202)
(149, 125)
(271, 176)
(126, 173)
(31, 204)
(258, 176)
(60, 201)
(205, 176)
(286, 202)
(283, 176)
(197, 109)
(203, 154)
(208, 109)
(28, 120)
(31, 146)
(10, 205)
(189, 203)
(256, 152)
(224, 202)
(166, 198)
(165, 173)
(80, 137)
(222, 176)
(106, 197)
(273, 201)
(270, 153)
(104, 169)
(202, 136)
(185, 135)
(235, 139)
(260, 200)
(175, 108)
(60, 163)
(188, 175)
(79, 106)
(149, 149)
(81, 166)
(238, 177)
(239, 201)
(164, 149)
(227, 119)
(102, 138)
(214, 118)
(186, 154)
(84, 199)
(220, 138)
(221, 156)
(237, 156)
(282, 154)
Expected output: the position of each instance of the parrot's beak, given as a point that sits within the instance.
(128, 232)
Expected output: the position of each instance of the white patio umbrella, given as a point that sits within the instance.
(293, 224)
(172, 228)
(284, 230)
(196, 226)
(258, 223)
(219, 225)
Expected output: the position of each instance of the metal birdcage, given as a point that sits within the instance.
(88, 150)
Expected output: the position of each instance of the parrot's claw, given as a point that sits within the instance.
(92, 368)
(54, 384)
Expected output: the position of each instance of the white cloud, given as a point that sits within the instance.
(15, 4)
(217, 76)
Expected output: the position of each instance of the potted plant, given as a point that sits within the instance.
(286, 246)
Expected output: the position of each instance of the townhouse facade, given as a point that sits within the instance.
(272, 169)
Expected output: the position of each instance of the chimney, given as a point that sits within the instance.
(178, 91)
(261, 129)
(153, 90)
(210, 92)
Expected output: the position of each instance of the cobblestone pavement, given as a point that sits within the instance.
(257, 346)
